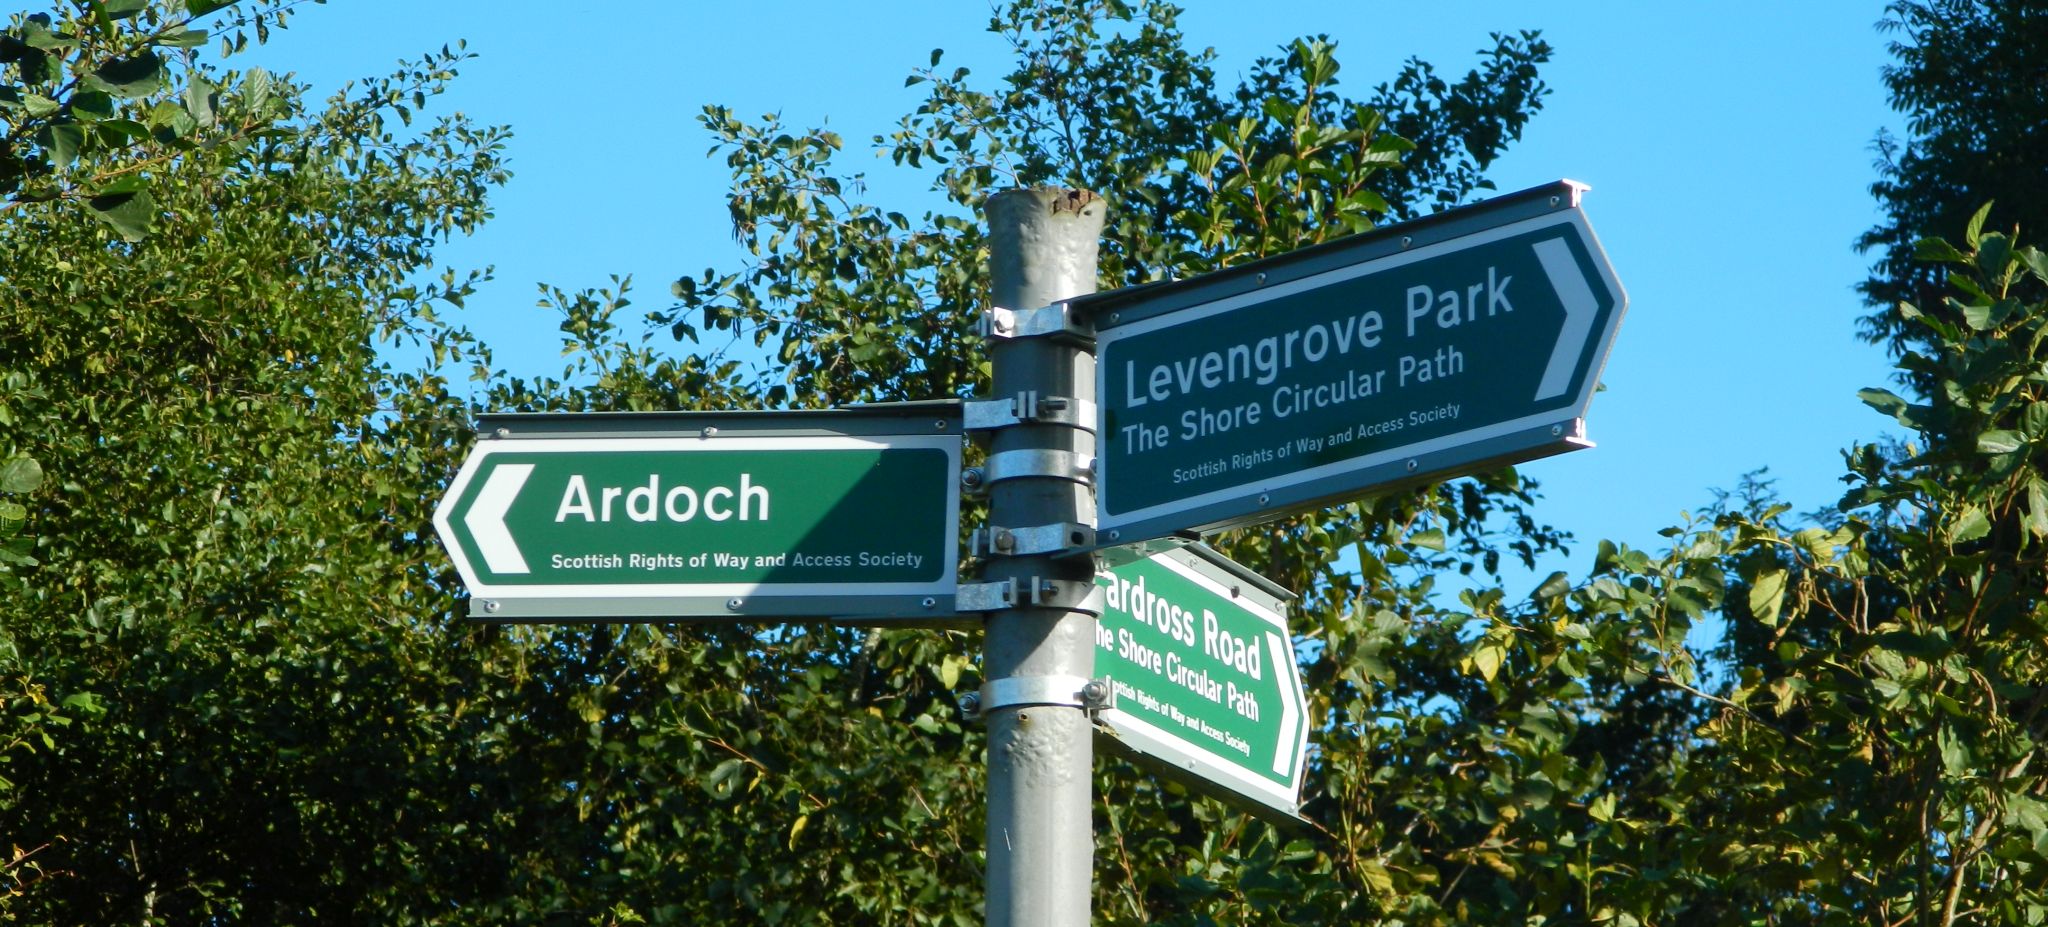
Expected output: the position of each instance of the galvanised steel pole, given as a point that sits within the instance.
(1042, 249)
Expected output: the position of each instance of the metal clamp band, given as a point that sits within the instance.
(1038, 592)
(1029, 408)
(1023, 542)
(1038, 462)
(1027, 691)
(1055, 319)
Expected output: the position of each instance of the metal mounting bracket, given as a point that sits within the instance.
(1023, 542)
(1038, 462)
(1055, 319)
(1029, 408)
(1092, 695)
(1037, 592)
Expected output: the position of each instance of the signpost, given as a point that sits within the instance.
(1431, 349)
(842, 514)
(1421, 351)
(1196, 650)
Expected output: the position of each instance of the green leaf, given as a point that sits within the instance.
(1883, 400)
(1993, 256)
(92, 104)
(126, 183)
(1767, 596)
(1969, 526)
(64, 141)
(1816, 541)
(1974, 232)
(130, 214)
(183, 38)
(1936, 249)
(1490, 653)
(22, 474)
(38, 35)
(123, 9)
(203, 7)
(724, 779)
(2034, 420)
(13, 517)
(2037, 508)
(1955, 756)
(2036, 261)
(130, 77)
(2000, 441)
(39, 105)
(1554, 585)
(1432, 539)
(199, 94)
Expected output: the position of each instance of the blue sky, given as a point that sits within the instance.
(1727, 144)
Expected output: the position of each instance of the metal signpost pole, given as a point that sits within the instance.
(1040, 650)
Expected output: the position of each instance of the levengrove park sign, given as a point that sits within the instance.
(840, 514)
(1426, 350)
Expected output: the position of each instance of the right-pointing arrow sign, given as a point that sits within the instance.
(1436, 348)
(1197, 651)
(1580, 307)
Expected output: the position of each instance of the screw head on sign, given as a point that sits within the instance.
(733, 604)
(1264, 499)
(1005, 541)
(1406, 241)
(1556, 430)
(708, 432)
(1411, 466)
(1094, 691)
(490, 605)
(971, 477)
(970, 703)
(502, 433)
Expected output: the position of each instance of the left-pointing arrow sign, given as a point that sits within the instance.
(847, 514)
(486, 519)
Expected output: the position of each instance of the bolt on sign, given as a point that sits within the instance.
(843, 514)
(1436, 348)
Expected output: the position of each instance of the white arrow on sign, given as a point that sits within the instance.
(1579, 309)
(486, 518)
(1290, 713)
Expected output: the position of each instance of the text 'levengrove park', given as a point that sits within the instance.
(1228, 399)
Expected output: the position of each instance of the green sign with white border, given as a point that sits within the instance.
(709, 515)
(1469, 339)
(1197, 653)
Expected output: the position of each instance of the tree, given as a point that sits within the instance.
(1965, 79)
(228, 537)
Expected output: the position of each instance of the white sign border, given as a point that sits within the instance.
(947, 584)
(1575, 218)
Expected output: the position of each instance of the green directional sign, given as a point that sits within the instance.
(1430, 349)
(737, 516)
(1197, 654)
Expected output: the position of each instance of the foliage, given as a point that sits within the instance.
(1966, 78)
(237, 691)
(98, 97)
(228, 568)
